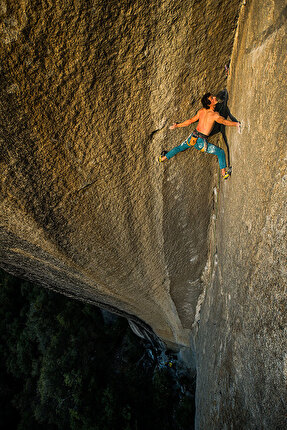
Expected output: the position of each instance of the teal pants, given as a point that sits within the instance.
(211, 149)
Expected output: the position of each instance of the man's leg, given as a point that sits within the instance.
(182, 147)
(213, 149)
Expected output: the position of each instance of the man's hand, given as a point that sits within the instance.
(173, 126)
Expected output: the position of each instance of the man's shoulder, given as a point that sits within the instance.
(213, 114)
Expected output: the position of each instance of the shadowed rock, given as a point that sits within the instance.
(241, 341)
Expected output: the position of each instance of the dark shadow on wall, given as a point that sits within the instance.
(224, 111)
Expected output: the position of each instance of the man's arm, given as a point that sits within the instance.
(185, 123)
(224, 121)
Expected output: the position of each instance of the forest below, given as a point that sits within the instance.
(65, 366)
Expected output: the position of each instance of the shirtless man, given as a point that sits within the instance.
(198, 139)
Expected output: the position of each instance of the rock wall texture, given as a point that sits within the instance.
(241, 337)
(88, 90)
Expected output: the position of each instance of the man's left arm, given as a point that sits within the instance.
(224, 121)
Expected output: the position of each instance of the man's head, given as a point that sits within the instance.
(208, 100)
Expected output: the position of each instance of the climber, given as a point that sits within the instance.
(198, 138)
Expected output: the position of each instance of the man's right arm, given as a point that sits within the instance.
(185, 123)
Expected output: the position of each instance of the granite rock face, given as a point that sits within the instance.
(241, 340)
(88, 91)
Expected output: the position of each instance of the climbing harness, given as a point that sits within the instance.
(194, 136)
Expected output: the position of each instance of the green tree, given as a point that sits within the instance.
(63, 368)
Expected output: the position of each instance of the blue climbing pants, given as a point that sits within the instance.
(211, 149)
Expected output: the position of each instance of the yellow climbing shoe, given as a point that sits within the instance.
(226, 176)
(160, 160)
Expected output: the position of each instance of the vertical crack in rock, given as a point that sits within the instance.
(241, 338)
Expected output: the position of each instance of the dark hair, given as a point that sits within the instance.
(205, 102)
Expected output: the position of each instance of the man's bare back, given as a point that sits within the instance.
(206, 120)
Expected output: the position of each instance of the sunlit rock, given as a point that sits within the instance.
(88, 91)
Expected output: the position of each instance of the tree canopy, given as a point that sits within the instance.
(64, 367)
